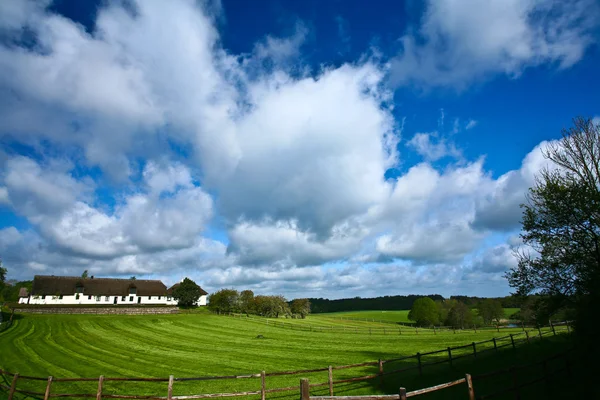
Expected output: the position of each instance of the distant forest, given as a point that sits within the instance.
(394, 303)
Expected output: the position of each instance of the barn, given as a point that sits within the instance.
(53, 290)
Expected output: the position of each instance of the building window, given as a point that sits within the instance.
(107, 298)
(149, 297)
(159, 297)
(77, 296)
(123, 298)
(98, 298)
(130, 298)
(44, 297)
(60, 297)
(169, 298)
(89, 297)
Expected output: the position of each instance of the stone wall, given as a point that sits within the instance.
(98, 310)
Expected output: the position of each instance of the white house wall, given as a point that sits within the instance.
(104, 300)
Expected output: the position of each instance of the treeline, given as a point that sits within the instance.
(362, 304)
(231, 301)
(427, 312)
(9, 290)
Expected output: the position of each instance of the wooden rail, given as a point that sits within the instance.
(453, 354)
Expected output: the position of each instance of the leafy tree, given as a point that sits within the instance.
(460, 315)
(301, 307)
(3, 272)
(187, 293)
(272, 306)
(247, 302)
(84, 275)
(561, 224)
(424, 312)
(132, 278)
(490, 310)
(224, 301)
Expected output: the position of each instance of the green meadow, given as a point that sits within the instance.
(199, 344)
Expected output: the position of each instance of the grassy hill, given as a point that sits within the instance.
(189, 345)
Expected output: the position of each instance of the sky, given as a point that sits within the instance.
(305, 148)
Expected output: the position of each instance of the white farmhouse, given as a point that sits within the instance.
(52, 290)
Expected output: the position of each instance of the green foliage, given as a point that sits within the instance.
(84, 275)
(224, 301)
(424, 312)
(247, 302)
(187, 293)
(301, 307)
(490, 311)
(3, 273)
(460, 316)
(272, 306)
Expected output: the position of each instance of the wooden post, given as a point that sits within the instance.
(420, 367)
(495, 346)
(100, 384)
(330, 379)
(263, 385)
(434, 332)
(553, 330)
(470, 386)
(304, 389)
(512, 340)
(527, 336)
(12, 315)
(380, 363)
(48, 385)
(474, 349)
(402, 393)
(450, 356)
(170, 388)
(540, 331)
(497, 328)
(475, 327)
(523, 325)
(13, 386)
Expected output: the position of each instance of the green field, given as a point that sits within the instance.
(392, 316)
(191, 345)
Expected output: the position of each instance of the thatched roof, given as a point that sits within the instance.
(68, 285)
(175, 286)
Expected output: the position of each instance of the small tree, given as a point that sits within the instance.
(84, 275)
(187, 293)
(424, 312)
(224, 301)
(247, 302)
(301, 307)
(459, 315)
(490, 310)
(3, 273)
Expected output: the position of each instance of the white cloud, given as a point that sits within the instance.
(461, 42)
(431, 150)
(471, 124)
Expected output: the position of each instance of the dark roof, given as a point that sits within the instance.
(66, 285)
(175, 286)
(23, 292)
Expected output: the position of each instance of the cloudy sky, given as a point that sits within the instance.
(309, 148)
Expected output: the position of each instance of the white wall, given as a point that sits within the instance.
(84, 300)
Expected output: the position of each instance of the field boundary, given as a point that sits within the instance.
(423, 360)
(468, 380)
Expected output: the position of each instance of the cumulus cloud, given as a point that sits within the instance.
(459, 43)
(426, 145)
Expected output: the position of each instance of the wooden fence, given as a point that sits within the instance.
(394, 328)
(468, 380)
(423, 360)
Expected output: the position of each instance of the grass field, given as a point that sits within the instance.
(189, 345)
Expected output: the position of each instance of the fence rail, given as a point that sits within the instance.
(459, 352)
(468, 380)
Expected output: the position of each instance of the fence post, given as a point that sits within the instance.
(330, 378)
(304, 389)
(399, 331)
(47, 393)
(470, 386)
(100, 384)
(495, 346)
(512, 341)
(417, 329)
(13, 386)
(420, 367)
(402, 393)
(527, 336)
(450, 355)
(380, 363)
(263, 385)
(170, 388)
(553, 330)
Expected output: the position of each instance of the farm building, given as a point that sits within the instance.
(100, 291)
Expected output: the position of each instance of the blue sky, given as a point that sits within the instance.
(308, 148)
